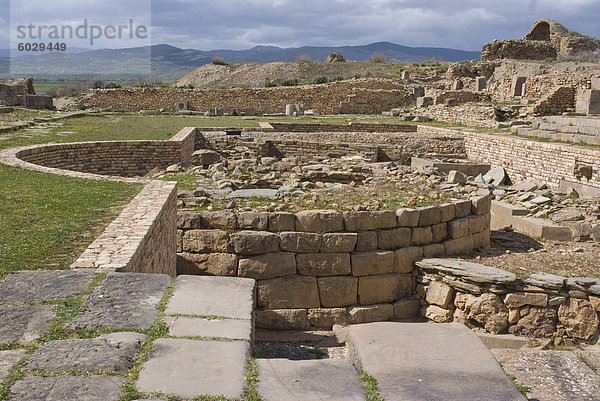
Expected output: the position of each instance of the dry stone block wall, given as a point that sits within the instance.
(115, 158)
(542, 305)
(359, 97)
(142, 239)
(526, 159)
(400, 146)
(318, 268)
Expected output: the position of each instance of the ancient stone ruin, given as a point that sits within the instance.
(21, 93)
(547, 39)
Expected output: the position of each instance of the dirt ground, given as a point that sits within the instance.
(523, 255)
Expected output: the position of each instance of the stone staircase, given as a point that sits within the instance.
(559, 128)
(192, 337)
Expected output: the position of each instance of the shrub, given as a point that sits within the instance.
(290, 82)
(98, 84)
(303, 58)
(218, 61)
(112, 85)
(270, 84)
(320, 80)
(188, 86)
(378, 57)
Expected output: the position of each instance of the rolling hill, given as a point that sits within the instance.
(169, 63)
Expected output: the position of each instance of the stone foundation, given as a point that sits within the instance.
(318, 268)
(543, 305)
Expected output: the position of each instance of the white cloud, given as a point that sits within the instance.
(239, 24)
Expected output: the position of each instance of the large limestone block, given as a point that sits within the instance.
(282, 221)
(319, 221)
(339, 242)
(282, 319)
(206, 241)
(367, 263)
(325, 318)
(458, 228)
(518, 299)
(394, 238)
(369, 220)
(407, 217)
(430, 215)
(323, 264)
(422, 235)
(300, 242)
(404, 259)
(291, 292)
(253, 221)
(211, 264)
(337, 291)
(370, 313)
(439, 294)
(383, 288)
(366, 241)
(579, 319)
(254, 242)
(270, 265)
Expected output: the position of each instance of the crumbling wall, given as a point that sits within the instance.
(558, 101)
(360, 97)
(518, 49)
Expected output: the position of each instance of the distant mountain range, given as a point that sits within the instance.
(169, 63)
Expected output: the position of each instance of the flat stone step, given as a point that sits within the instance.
(124, 300)
(219, 307)
(314, 380)
(92, 388)
(425, 361)
(190, 368)
(552, 375)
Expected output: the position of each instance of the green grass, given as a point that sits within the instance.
(522, 388)
(48, 220)
(370, 386)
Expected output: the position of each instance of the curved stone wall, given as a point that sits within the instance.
(317, 268)
(114, 158)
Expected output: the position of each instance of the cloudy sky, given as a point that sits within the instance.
(237, 24)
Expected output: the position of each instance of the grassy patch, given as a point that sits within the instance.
(184, 180)
(159, 329)
(370, 386)
(48, 220)
(522, 388)
(250, 392)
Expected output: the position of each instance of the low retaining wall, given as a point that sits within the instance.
(362, 96)
(142, 239)
(380, 146)
(526, 159)
(318, 268)
(115, 158)
(542, 305)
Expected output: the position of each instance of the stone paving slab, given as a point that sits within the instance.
(24, 323)
(551, 375)
(425, 361)
(110, 353)
(123, 300)
(315, 380)
(91, 388)
(190, 368)
(9, 359)
(42, 286)
(229, 297)
(233, 329)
